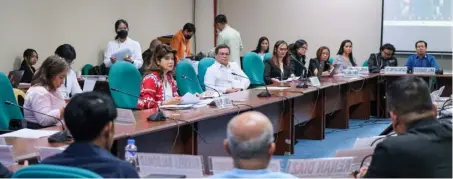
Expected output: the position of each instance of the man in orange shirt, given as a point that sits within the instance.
(181, 41)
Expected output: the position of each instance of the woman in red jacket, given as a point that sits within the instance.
(158, 86)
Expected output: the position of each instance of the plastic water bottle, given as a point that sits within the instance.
(131, 152)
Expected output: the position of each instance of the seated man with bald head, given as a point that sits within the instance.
(250, 141)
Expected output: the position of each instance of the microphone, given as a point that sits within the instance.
(187, 78)
(59, 137)
(262, 94)
(158, 116)
(302, 76)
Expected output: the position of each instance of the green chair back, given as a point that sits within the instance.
(267, 56)
(365, 63)
(203, 66)
(7, 112)
(191, 85)
(330, 61)
(53, 171)
(125, 77)
(86, 69)
(253, 67)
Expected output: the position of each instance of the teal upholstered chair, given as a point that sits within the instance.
(7, 112)
(365, 63)
(254, 69)
(330, 61)
(203, 66)
(54, 171)
(125, 77)
(86, 69)
(267, 56)
(191, 85)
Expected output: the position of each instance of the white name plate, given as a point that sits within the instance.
(424, 71)
(7, 155)
(368, 141)
(361, 70)
(125, 116)
(323, 167)
(189, 165)
(45, 152)
(350, 73)
(223, 102)
(224, 164)
(359, 154)
(315, 81)
(395, 70)
(2, 141)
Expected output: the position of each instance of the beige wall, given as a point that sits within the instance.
(86, 24)
(204, 22)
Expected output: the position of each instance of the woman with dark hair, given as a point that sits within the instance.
(30, 59)
(71, 85)
(378, 61)
(262, 48)
(43, 95)
(344, 57)
(123, 44)
(320, 64)
(277, 68)
(147, 54)
(158, 86)
(297, 57)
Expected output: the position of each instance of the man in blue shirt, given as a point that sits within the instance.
(89, 117)
(421, 59)
(250, 142)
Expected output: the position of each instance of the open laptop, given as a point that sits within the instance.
(15, 77)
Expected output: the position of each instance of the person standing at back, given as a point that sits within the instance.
(250, 142)
(123, 42)
(89, 118)
(421, 59)
(181, 41)
(230, 37)
(422, 148)
(30, 59)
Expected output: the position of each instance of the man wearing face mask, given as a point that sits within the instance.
(181, 41)
(89, 117)
(378, 61)
(422, 148)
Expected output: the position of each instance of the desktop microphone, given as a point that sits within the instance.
(158, 116)
(262, 94)
(187, 78)
(59, 137)
(302, 76)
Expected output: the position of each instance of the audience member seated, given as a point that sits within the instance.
(320, 64)
(378, 61)
(147, 54)
(421, 59)
(30, 59)
(422, 148)
(181, 41)
(158, 86)
(277, 68)
(89, 117)
(250, 142)
(225, 76)
(297, 57)
(262, 48)
(5, 172)
(43, 95)
(71, 85)
(121, 42)
(344, 58)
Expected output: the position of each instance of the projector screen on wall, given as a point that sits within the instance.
(407, 21)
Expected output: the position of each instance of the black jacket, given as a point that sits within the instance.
(297, 66)
(28, 72)
(376, 62)
(423, 152)
(273, 71)
(314, 64)
(4, 172)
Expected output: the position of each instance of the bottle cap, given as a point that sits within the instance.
(130, 141)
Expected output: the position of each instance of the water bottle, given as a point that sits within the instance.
(131, 152)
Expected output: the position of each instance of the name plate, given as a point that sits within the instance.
(223, 102)
(189, 165)
(223, 164)
(361, 70)
(424, 71)
(350, 73)
(323, 167)
(125, 116)
(315, 81)
(2, 141)
(45, 152)
(358, 154)
(7, 155)
(395, 70)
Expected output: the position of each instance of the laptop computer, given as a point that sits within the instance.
(15, 77)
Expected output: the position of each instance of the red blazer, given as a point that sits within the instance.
(152, 90)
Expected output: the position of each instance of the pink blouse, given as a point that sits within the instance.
(40, 99)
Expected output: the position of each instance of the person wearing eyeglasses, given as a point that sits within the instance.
(378, 61)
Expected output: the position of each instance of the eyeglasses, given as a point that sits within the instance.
(222, 54)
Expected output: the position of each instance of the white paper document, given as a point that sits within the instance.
(190, 98)
(125, 116)
(274, 87)
(29, 133)
(367, 142)
(291, 79)
(88, 84)
(176, 106)
(121, 53)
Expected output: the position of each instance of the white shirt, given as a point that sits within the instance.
(133, 46)
(220, 77)
(70, 86)
(232, 39)
(40, 99)
(168, 91)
